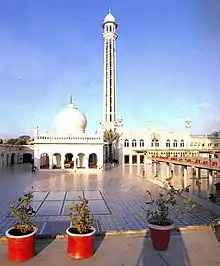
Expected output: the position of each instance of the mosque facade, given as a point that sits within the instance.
(69, 146)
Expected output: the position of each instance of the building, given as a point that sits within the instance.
(69, 146)
(156, 139)
(13, 154)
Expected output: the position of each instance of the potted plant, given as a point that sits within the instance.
(215, 225)
(158, 218)
(81, 234)
(21, 237)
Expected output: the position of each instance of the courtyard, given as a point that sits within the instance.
(115, 198)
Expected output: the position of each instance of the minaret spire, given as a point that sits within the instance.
(71, 99)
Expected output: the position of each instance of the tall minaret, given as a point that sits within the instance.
(109, 104)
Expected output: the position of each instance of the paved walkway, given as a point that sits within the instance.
(188, 249)
(116, 198)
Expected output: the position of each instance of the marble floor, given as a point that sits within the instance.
(116, 198)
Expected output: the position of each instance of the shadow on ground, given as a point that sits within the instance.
(176, 254)
(42, 244)
(98, 241)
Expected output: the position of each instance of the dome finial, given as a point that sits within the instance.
(109, 9)
(71, 99)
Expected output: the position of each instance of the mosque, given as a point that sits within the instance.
(69, 146)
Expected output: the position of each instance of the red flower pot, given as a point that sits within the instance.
(80, 246)
(160, 236)
(20, 247)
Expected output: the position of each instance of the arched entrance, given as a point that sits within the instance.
(80, 160)
(68, 162)
(27, 158)
(56, 161)
(93, 160)
(44, 161)
(12, 158)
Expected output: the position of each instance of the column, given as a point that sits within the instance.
(154, 169)
(210, 188)
(138, 164)
(62, 161)
(50, 161)
(130, 159)
(184, 183)
(167, 171)
(87, 162)
(100, 162)
(74, 162)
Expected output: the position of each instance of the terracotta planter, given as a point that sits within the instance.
(160, 236)
(80, 246)
(20, 248)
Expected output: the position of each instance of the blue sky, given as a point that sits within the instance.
(168, 62)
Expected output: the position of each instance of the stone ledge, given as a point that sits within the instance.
(137, 233)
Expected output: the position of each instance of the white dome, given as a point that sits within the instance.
(109, 18)
(70, 120)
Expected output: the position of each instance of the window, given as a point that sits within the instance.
(182, 143)
(141, 143)
(134, 143)
(157, 144)
(152, 144)
(175, 143)
(168, 143)
(126, 143)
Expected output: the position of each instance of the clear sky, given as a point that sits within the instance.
(168, 62)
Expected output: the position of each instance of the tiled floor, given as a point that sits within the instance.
(116, 198)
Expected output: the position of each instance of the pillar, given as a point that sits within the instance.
(138, 164)
(184, 177)
(50, 161)
(210, 188)
(62, 161)
(87, 162)
(167, 171)
(154, 169)
(130, 159)
(74, 162)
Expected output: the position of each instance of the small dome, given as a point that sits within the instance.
(70, 120)
(109, 18)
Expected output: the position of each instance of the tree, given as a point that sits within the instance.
(22, 140)
(111, 137)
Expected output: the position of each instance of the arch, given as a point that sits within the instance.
(182, 143)
(141, 143)
(126, 143)
(93, 160)
(134, 143)
(68, 162)
(44, 161)
(168, 143)
(175, 143)
(56, 161)
(27, 158)
(12, 158)
(80, 160)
